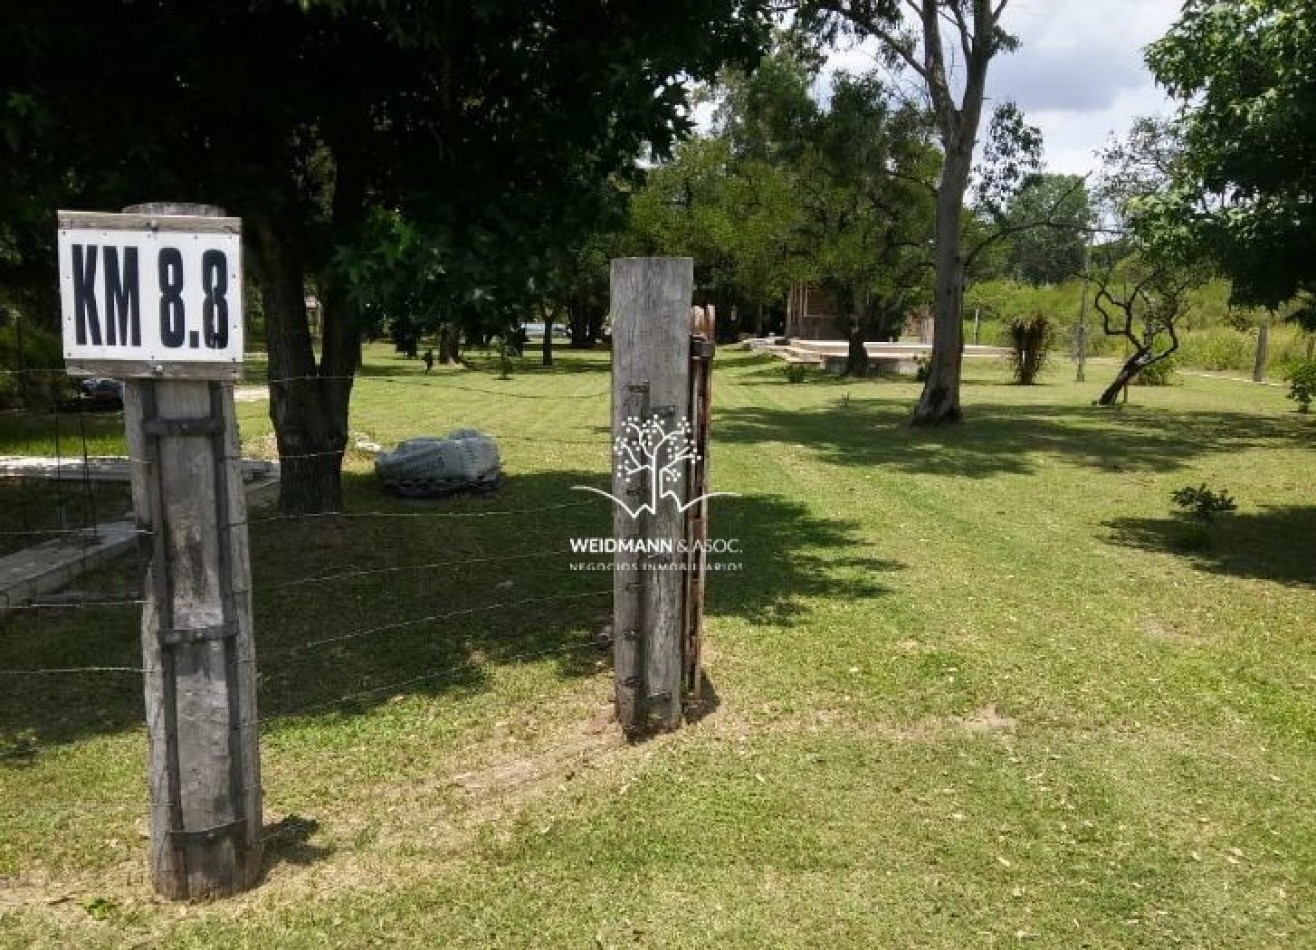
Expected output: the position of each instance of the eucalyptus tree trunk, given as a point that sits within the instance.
(940, 400)
(957, 124)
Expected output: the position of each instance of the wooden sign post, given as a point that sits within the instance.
(154, 296)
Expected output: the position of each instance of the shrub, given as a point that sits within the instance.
(795, 372)
(1218, 349)
(1029, 340)
(1160, 373)
(1202, 502)
(1302, 384)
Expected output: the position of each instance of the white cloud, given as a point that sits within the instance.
(1078, 74)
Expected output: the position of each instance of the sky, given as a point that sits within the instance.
(1078, 75)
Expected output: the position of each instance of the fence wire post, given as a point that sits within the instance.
(650, 394)
(198, 647)
(702, 346)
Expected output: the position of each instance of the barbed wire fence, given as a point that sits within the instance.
(53, 490)
(62, 436)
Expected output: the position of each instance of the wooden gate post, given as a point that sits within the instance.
(650, 403)
(198, 647)
(702, 346)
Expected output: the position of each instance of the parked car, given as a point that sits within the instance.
(97, 393)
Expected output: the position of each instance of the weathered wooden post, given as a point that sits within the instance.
(650, 413)
(154, 296)
(702, 346)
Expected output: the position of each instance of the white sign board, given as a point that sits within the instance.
(151, 288)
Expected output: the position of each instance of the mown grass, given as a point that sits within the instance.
(975, 686)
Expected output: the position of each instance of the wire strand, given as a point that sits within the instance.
(72, 604)
(411, 681)
(498, 513)
(432, 618)
(367, 572)
(73, 669)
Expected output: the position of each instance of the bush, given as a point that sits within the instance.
(1160, 373)
(1203, 503)
(1218, 349)
(1302, 384)
(1029, 340)
(795, 372)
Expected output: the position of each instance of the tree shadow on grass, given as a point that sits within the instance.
(421, 599)
(288, 841)
(565, 361)
(1276, 544)
(1007, 439)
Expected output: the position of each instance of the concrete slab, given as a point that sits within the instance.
(44, 568)
(52, 565)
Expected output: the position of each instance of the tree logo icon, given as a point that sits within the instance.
(654, 458)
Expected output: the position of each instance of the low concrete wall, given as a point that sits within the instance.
(52, 565)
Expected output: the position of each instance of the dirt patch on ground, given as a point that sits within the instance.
(1166, 633)
(986, 721)
(425, 820)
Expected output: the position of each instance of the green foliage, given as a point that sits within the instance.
(1047, 222)
(1030, 340)
(1203, 503)
(1159, 373)
(918, 38)
(789, 190)
(1242, 187)
(1302, 384)
(796, 372)
(487, 135)
(100, 908)
(34, 376)
(1212, 335)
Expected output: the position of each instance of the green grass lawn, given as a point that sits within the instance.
(975, 687)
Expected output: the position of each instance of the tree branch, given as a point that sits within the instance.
(1005, 230)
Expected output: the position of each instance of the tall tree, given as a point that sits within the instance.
(936, 30)
(466, 119)
(1246, 184)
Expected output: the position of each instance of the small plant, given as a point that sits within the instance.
(100, 908)
(795, 372)
(1029, 340)
(1203, 503)
(1302, 384)
(506, 350)
(922, 370)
